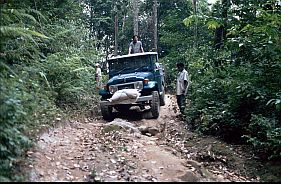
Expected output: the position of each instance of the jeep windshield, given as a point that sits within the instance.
(129, 65)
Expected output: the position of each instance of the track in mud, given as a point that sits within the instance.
(95, 151)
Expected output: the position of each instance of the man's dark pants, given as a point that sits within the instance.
(181, 102)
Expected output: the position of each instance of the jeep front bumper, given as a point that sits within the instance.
(139, 100)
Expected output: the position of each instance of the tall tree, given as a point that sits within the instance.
(135, 4)
(115, 30)
(99, 20)
(220, 32)
(155, 22)
(194, 2)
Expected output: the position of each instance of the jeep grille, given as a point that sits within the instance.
(132, 85)
(126, 86)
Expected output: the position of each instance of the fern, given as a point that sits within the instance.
(37, 13)
(19, 14)
(8, 31)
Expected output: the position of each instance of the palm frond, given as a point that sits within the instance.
(8, 31)
(8, 68)
(19, 14)
(45, 78)
(38, 13)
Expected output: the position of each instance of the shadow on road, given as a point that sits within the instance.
(133, 114)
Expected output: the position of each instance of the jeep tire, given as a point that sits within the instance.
(162, 97)
(155, 104)
(106, 112)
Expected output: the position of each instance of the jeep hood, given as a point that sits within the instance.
(130, 77)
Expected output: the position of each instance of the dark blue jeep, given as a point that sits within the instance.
(134, 71)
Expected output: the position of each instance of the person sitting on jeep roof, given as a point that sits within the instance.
(135, 46)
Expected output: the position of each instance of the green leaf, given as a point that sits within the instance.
(37, 13)
(212, 24)
(35, 33)
(7, 31)
(189, 20)
(269, 102)
(19, 13)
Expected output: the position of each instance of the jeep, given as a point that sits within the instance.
(139, 71)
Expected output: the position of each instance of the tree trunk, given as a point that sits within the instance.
(136, 16)
(116, 34)
(123, 22)
(91, 21)
(194, 2)
(220, 33)
(155, 25)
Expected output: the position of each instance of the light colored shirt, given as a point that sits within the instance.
(98, 71)
(98, 75)
(182, 76)
(136, 47)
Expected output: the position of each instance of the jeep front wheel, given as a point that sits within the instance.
(155, 104)
(106, 112)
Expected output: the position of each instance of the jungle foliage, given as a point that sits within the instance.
(236, 86)
(47, 65)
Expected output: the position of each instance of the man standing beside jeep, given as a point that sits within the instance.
(135, 46)
(181, 88)
(98, 75)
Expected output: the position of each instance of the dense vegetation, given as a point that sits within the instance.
(231, 51)
(236, 83)
(47, 62)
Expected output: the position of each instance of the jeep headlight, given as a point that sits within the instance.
(113, 89)
(139, 85)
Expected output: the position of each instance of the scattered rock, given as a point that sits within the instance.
(65, 168)
(76, 165)
(149, 131)
(153, 130)
(148, 134)
(119, 124)
(114, 152)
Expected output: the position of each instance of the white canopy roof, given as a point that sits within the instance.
(132, 55)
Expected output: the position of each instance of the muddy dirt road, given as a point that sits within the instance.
(130, 148)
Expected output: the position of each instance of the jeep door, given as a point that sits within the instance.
(158, 73)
